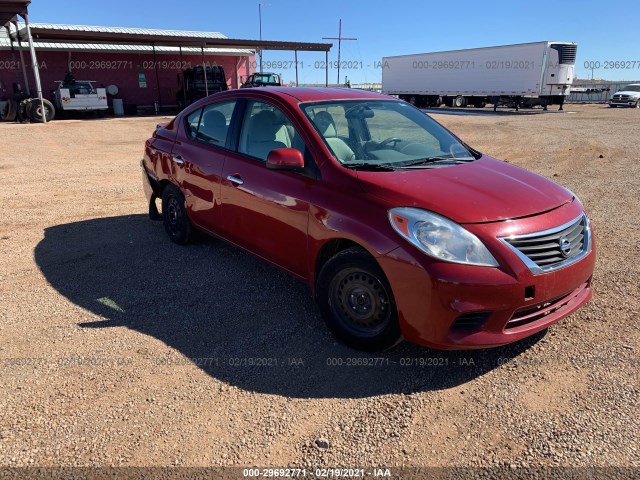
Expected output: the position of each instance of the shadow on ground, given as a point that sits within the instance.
(213, 301)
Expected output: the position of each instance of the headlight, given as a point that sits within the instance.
(439, 237)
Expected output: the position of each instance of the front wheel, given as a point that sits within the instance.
(356, 301)
(174, 215)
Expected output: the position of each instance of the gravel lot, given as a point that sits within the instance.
(119, 348)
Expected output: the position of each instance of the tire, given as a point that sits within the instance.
(612, 106)
(34, 110)
(174, 215)
(460, 102)
(10, 111)
(479, 104)
(356, 301)
(413, 101)
(638, 104)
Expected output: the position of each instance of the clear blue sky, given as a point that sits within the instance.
(381, 28)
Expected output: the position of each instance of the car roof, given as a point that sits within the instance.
(310, 94)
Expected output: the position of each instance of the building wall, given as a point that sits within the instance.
(121, 69)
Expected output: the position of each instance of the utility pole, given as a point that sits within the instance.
(339, 38)
(260, 19)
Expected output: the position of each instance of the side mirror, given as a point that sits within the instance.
(285, 159)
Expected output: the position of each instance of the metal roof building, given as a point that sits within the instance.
(143, 63)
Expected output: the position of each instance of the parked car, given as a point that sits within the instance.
(399, 228)
(629, 96)
(262, 80)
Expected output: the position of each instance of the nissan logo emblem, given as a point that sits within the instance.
(565, 246)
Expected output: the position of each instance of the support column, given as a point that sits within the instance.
(326, 66)
(182, 79)
(27, 87)
(36, 70)
(296, 57)
(204, 71)
(155, 64)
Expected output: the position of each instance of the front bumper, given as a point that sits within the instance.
(624, 103)
(511, 302)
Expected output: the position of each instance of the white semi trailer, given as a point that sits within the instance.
(525, 74)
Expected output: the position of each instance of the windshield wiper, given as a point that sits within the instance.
(380, 167)
(428, 160)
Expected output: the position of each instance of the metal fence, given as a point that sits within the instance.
(599, 97)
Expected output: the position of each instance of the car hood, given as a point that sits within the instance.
(485, 190)
(632, 93)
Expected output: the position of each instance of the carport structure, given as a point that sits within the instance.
(61, 37)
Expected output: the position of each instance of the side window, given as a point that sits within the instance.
(266, 128)
(211, 123)
(215, 122)
(193, 120)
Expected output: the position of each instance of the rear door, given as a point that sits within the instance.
(263, 210)
(198, 157)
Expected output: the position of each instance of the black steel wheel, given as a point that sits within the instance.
(36, 113)
(356, 301)
(174, 215)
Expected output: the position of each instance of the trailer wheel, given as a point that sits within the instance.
(23, 110)
(10, 111)
(479, 104)
(413, 101)
(34, 110)
(460, 102)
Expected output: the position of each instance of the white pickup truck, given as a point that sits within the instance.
(79, 95)
(628, 96)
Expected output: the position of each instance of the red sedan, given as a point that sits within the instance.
(399, 228)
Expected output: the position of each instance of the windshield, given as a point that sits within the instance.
(389, 133)
(631, 88)
(266, 79)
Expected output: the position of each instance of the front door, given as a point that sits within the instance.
(263, 210)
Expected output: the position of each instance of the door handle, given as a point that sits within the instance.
(178, 159)
(236, 180)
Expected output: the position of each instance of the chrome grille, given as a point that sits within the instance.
(621, 97)
(554, 248)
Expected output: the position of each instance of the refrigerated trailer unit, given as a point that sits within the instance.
(526, 74)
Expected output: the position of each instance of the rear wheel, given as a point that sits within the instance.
(10, 111)
(36, 113)
(356, 301)
(638, 104)
(174, 215)
(460, 101)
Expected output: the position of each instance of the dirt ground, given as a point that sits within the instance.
(118, 348)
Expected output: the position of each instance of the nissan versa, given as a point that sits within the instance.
(399, 228)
